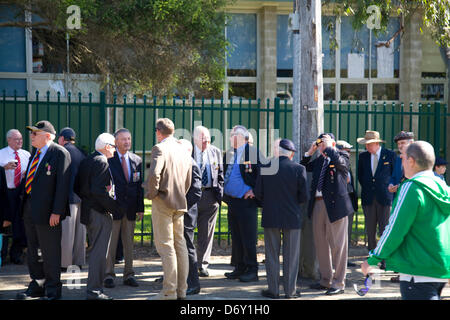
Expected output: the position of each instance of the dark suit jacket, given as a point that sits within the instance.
(217, 173)
(195, 191)
(130, 194)
(334, 191)
(93, 184)
(49, 192)
(4, 207)
(76, 156)
(282, 194)
(352, 192)
(249, 165)
(376, 187)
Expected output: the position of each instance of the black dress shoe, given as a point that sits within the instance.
(33, 291)
(193, 290)
(131, 282)
(318, 286)
(109, 283)
(296, 295)
(51, 298)
(249, 277)
(268, 294)
(234, 275)
(333, 291)
(203, 272)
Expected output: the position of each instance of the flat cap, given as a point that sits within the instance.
(287, 145)
(403, 135)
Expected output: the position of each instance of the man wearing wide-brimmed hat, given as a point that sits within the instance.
(375, 167)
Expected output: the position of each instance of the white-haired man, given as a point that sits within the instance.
(209, 159)
(95, 186)
(15, 161)
(45, 204)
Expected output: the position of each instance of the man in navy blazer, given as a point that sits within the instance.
(126, 169)
(375, 168)
(329, 207)
(282, 194)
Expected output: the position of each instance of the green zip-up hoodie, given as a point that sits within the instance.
(417, 238)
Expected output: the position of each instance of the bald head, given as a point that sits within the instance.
(419, 157)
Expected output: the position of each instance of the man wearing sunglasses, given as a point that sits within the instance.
(45, 204)
(415, 242)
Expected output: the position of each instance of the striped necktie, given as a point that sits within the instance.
(31, 172)
(322, 175)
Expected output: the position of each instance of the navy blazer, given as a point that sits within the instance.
(76, 156)
(130, 195)
(282, 195)
(334, 190)
(376, 187)
(195, 191)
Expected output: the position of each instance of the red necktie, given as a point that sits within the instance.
(17, 171)
(125, 169)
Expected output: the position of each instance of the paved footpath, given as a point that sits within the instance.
(14, 278)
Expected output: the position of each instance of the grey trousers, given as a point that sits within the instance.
(374, 215)
(291, 253)
(125, 228)
(99, 234)
(331, 241)
(73, 241)
(206, 222)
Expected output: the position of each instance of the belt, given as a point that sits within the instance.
(319, 198)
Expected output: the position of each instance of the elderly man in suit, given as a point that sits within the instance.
(329, 206)
(209, 159)
(4, 211)
(96, 187)
(45, 204)
(73, 242)
(126, 168)
(375, 168)
(15, 161)
(281, 194)
(242, 166)
(168, 182)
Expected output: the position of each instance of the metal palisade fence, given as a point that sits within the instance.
(267, 120)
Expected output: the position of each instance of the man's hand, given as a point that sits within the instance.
(249, 194)
(54, 220)
(392, 188)
(139, 216)
(365, 268)
(10, 165)
(312, 149)
(6, 223)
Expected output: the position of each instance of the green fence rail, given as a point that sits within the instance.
(267, 120)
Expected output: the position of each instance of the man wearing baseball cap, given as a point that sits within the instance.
(45, 205)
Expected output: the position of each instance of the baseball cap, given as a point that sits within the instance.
(42, 125)
(68, 133)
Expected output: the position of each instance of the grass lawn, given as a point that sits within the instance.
(144, 227)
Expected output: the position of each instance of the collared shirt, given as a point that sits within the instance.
(7, 154)
(372, 156)
(202, 159)
(236, 186)
(41, 156)
(127, 161)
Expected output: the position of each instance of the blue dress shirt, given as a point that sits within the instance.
(235, 186)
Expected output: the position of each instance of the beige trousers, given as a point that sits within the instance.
(331, 241)
(168, 230)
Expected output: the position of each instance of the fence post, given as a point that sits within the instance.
(102, 111)
(276, 117)
(437, 128)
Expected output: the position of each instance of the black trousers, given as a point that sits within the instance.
(48, 240)
(19, 240)
(190, 222)
(243, 216)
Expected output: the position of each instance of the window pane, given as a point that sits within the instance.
(329, 91)
(389, 57)
(241, 33)
(12, 43)
(385, 91)
(284, 91)
(328, 39)
(353, 91)
(432, 91)
(9, 85)
(242, 90)
(354, 48)
(285, 63)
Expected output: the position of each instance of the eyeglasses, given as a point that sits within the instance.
(112, 145)
(367, 284)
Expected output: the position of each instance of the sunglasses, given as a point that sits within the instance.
(367, 284)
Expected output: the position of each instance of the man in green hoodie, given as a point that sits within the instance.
(416, 242)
